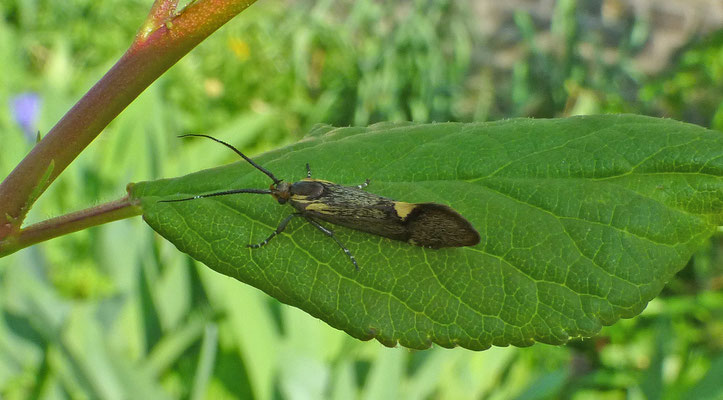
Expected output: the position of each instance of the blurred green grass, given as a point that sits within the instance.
(116, 312)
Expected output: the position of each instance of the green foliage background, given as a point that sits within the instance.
(117, 312)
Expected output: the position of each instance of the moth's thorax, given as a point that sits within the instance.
(306, 189)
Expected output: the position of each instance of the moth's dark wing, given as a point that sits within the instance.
(436, 225)
(424, 224)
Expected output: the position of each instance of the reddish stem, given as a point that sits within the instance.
(152, 53)
(73, 222)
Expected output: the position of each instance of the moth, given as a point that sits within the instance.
(431, 225)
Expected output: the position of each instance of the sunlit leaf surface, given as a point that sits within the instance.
(582, 220)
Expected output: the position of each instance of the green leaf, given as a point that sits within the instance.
(582, 220)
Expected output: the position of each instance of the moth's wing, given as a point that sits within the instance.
(437, 225)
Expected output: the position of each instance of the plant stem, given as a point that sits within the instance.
(164, 39)
(54, 227)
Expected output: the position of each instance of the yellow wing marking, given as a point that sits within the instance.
(317, 180)
(403, 209)
(321, 208)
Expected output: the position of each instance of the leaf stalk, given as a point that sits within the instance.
(69, 223)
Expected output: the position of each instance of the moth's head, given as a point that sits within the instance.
(280, 191)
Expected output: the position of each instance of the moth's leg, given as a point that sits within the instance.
(308, 171)
(330, 233)
(363, 185)
(278, 230)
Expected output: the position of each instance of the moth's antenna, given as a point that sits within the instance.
(250, 161)
(200, 196)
